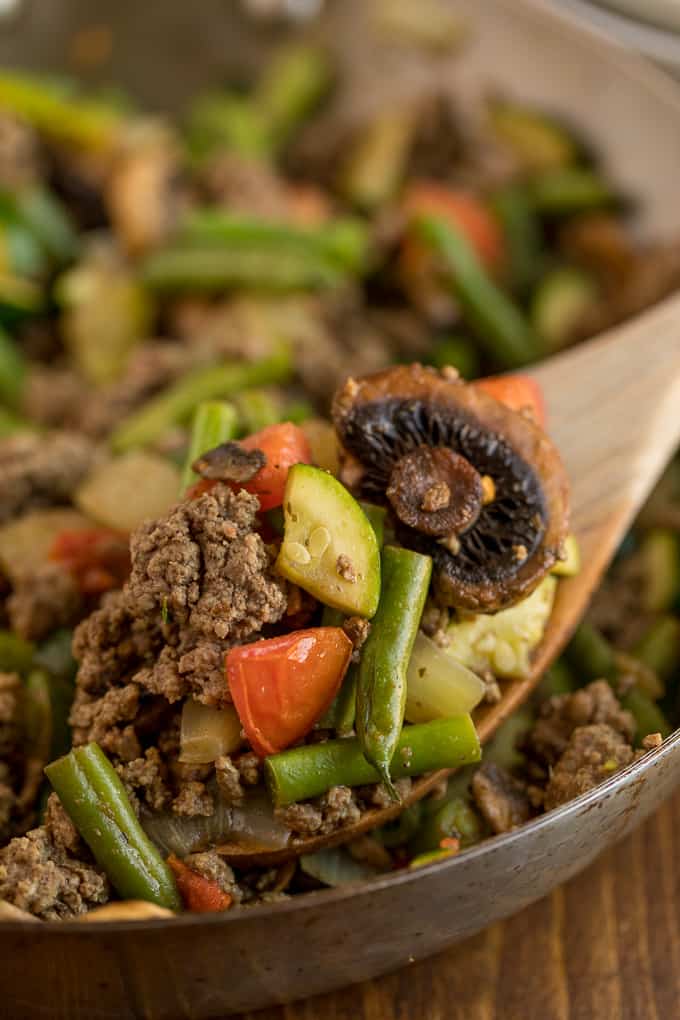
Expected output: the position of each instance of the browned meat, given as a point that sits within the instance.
(193, 799)
(229, 780)
(39, 875)
(53, 396)
(43, 600)
(592, 755)
(145, 778)
(41, 470)
(213, 867)
(207, 569)
(246, 185)
(325, 814)
(559, 716)
(8, 801)
(61, 829)
(230, 462)
(502, 800)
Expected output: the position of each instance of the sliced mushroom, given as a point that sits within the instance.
(230, 462)
(410, 434)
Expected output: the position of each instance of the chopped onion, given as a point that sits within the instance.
(252, 823)
(335, 866)
(439, 687)
(207, 732)
(124, 491)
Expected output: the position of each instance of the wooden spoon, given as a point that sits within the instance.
(614, 414)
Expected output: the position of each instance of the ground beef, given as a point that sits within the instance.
(145, 778)
(502, 799)
(39, 875)
(108, 720)
(53, 396)
(193, 799)
(61, 829)
(41, 470)
(334, 810)
(44, 599)
(213, 867)
(229, 780)
(245, 185)
(592, 755)
(379, 796)
(205, 566)
(560, 715)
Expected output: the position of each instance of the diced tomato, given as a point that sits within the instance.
(461, 208)
(198, 893)
(518, 392)
(98, 558)
(282, 685)
(283, 445)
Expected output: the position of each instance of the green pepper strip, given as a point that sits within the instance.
(214, 422)
(593, 657)
(311, 769)
(212, 383)
(381, 687)
(95, 799)
(211, 269)
(502, 328)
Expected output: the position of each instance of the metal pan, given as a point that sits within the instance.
(202, 967)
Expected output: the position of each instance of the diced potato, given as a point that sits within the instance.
(129, 489)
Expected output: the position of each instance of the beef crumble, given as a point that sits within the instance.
(43, 600)
(41, 470)
(593, 754)
(502, 799)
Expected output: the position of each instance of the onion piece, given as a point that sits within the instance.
(255, 824)
(207, 733)
(437, 686)
(335, 866)
(124, 491)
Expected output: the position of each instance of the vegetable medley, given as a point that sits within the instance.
(278, 508)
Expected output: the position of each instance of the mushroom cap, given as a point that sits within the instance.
(517, 536)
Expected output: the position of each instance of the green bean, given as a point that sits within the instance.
(311, 769)
(12, 370)
(431, 857)
(293, 84)
(568, 190)
(42, 213)
(94, 797)
(16, 654)
(522, 233)
(377, 516)
(67, 119)
(591, 655)
(344, 243)
(403, 828)
(221, 120)
(381, 685)
(501, 326)
(659, 647)
(257, 409)
(458, 351)
(298, 411)
(648, 716)
(504, 750)
(454, 817)
(559, 679)
(214, 423)
(211, 383)
(209, 269)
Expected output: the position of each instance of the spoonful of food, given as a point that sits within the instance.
(613, 409)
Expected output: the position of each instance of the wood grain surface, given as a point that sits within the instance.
(606, 946)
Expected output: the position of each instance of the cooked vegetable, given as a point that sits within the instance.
(341, 714)
(25, 542)
(659, 647)
(124, 491)
(329, 546)
(570, 565)
(454, 818)
(334, 866)
(177, 402)
(95, 798)
(293, 84)
(518, 392)
(323, 444)
(214, 422)
(284, 446)
(311, 769)
(559, 305)
(463, 210)
(12, 370)
(97, 558)
(281, 686)
(501, 327)
(648, 716)
(257, 409)
(455, 488)
(460, 353)
(437, 686)
(538, 141)
(660, 556)
(569, 190)
(199, 894)
(522, 236)
(16, 654)
(375, 163)
(207, 733)
(503, 643)
(385, 657)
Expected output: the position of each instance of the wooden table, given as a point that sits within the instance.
(604, 947)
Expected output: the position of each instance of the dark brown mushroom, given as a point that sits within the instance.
(229, 462)
(409, 434)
